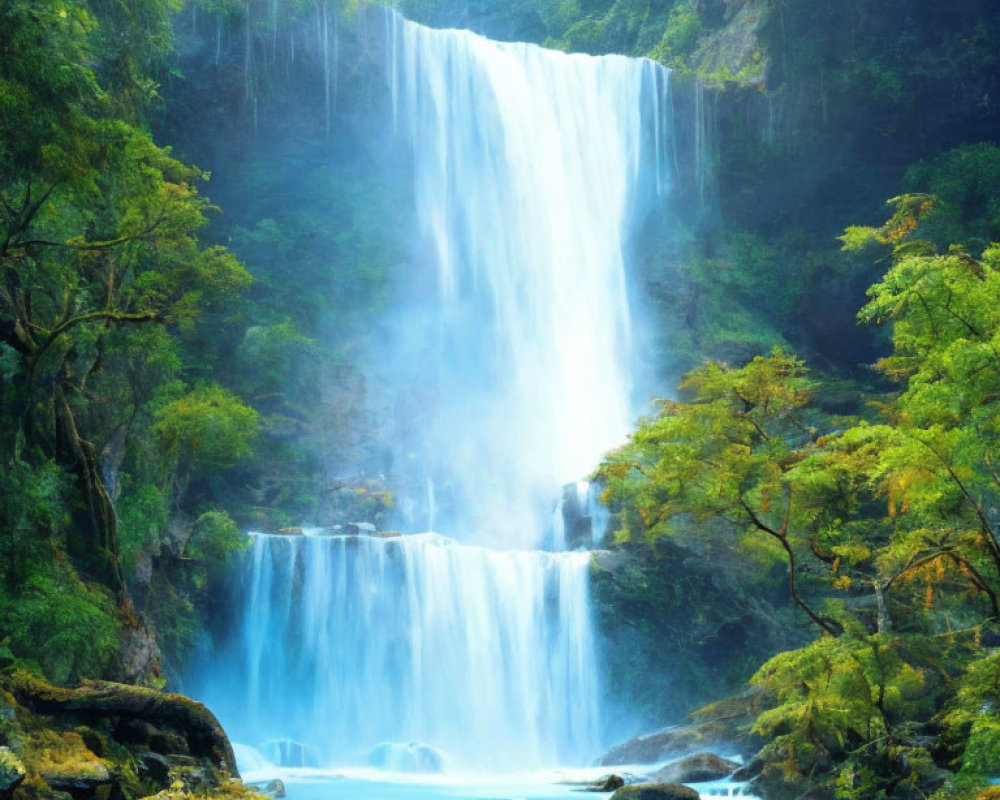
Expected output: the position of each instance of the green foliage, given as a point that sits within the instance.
(209, 427)
(847, 701)
(684, 27)
(973, 717)
(64, 626)
(966, 182)
(214, 541)
(142, 517)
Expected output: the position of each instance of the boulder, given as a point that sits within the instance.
(154, 767)
(656, 791)
(406, 757)
(651, 748)
(607, 783)
(577, 522)
(66, 764)
(359, 529)
(272, 788)
(699, 768)
(12, 772)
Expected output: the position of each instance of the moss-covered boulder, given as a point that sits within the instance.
(656, 791)
(105, 741)
(169, 714)
(65, 763)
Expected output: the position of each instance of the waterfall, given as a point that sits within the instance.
(531, 169)
(510, 351)
(353, 643)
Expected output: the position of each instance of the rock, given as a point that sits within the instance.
(735, 48)
(12, 772)
(748, 771)
(577, 523)
(359, 529)
(388, 534)
(608, 783)
(66, 764)
(134, 731)
(406, 757)
(698, 768)
(138, 707)
(272, 788)
(656, 791)
(138, 654)
(168, 743)
(96, 743)
(290, 530)
(653, 747)
(154, 767)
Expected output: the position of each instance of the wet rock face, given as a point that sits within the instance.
(656, 791)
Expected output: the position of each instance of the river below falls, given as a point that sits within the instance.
(371, 784)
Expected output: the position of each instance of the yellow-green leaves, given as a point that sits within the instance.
(208, 427)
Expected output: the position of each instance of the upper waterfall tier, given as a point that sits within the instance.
(514, 350)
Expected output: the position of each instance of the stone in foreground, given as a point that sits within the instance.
(656, 791)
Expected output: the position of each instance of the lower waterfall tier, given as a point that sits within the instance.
(414, 653)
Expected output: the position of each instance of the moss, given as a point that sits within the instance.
(60, 756)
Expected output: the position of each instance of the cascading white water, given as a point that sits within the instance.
(529, 167)
(530, 170)
(351, 644)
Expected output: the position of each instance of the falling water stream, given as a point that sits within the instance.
(530, 169)
(475, 651)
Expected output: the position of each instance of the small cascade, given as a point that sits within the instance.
(382, 650)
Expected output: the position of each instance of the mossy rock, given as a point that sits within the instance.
(65, 762)
(96, 699)
(656, 791)
(12, 772)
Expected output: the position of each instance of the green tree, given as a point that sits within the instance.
(739, 449)
(98, 229)
(939, 462)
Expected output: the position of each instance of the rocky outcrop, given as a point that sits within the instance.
(653, 747)
(609, 783)
(108, 741)
(725, 725)
(735, 52)
(698, 768)
(360, 529)
(656, 791)
(169, 713)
